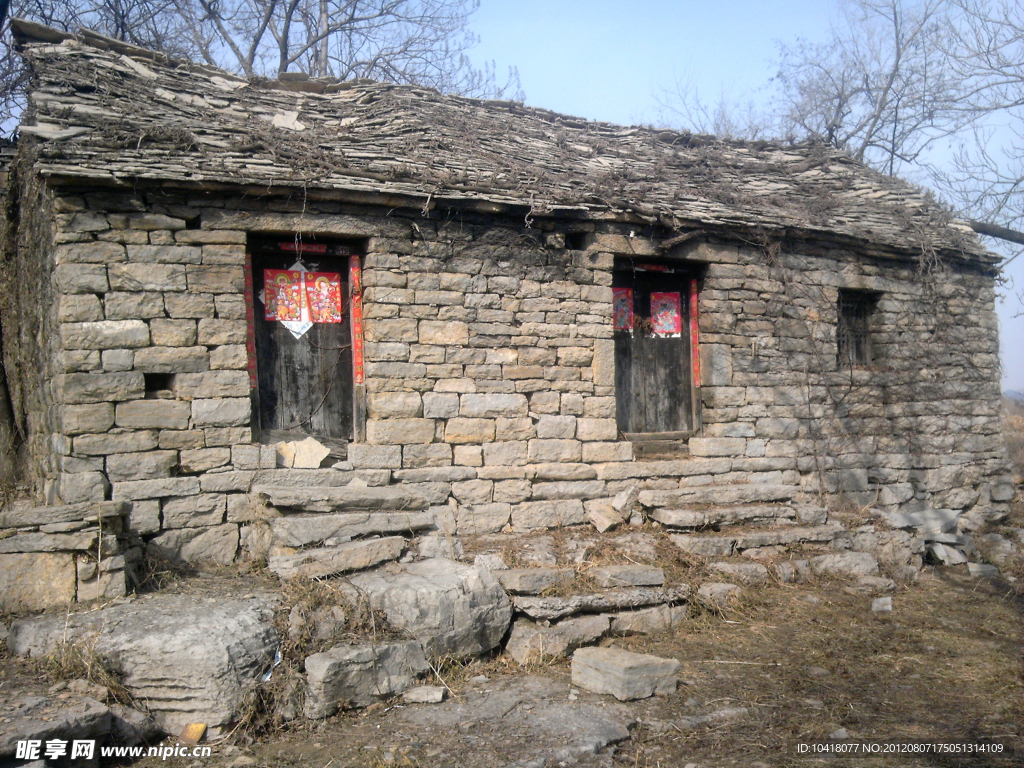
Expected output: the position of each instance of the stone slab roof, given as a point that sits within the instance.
(109, 112)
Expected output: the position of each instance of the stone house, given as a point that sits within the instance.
(496, 316)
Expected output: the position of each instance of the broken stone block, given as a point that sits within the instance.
(328, 561)
(624, 675)
(359, 675)
(603, 517)
(882, 605)
(947, 554)
(309, 453)
(849, 564)
(532, 643)
(718, 594)
(982, 571)
(627, 576)
(533, 581)
(425, 694)
(450, 607)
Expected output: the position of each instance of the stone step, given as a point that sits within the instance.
(714, 516)
(553, 608)
(306, 478)
(304, 530)
(335, 499)
(344, 558)
(718, 495)
(727, 544)
(90, 511)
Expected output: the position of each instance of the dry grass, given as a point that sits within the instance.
(79, 661)
(946, 664)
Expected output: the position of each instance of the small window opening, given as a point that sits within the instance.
(576, 241)
(853, 332)
(156, 383)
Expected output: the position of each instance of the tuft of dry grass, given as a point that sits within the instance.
(77, 660)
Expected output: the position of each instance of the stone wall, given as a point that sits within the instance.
(490, 370)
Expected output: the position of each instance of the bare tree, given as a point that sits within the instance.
(683, 106)
(987, 53)
(881, 88)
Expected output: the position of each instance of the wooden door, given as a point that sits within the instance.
(653, 375)
(303, 382)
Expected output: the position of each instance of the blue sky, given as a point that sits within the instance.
(611, 59)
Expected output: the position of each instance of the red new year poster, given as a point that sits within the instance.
(622, 309)
(666, 314)
(283, 295)
(323, 294)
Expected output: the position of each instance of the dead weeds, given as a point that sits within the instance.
(945, 665)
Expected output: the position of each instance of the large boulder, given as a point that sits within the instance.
(190, 660)
(451, 608)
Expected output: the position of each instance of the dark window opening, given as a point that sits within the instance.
(157, 382)
(855, 310)
(576, 241)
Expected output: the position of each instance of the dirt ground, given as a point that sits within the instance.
(803, 660)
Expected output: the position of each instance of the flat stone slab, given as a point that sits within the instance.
(745, 573)
(303, 530)
(451, 608)
(849, 564)
(335, 499)
(648, 621)
(627, 576)
(724, 545)
(80, 541)
(554, 608)
(622, 674)
(531, 643)
(704, 546)
(358, 675)
(90, 511)
(717, 495)
(533, 581)
(190, 659)
(527, 720)
(344, 558)
(788, 535)
(703, 518)
(925, 521)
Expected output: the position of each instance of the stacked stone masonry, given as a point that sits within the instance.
(490, 370)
